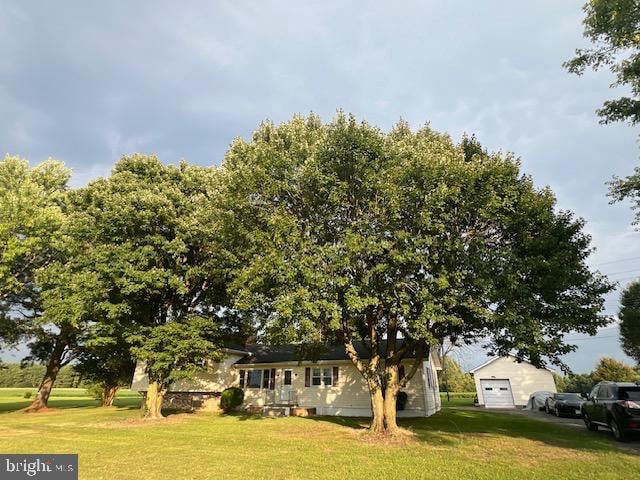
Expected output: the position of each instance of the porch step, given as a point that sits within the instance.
(276, 411)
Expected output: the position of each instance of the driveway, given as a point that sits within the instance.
(569, 422)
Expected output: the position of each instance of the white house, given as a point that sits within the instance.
(274, 378)
(503, 382)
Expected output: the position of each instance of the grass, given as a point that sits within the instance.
(113, 443)
(14, 398)
(456, 401)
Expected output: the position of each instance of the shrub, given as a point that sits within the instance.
(231, 399)
(401, 400)
(95, 391)
(27, 394)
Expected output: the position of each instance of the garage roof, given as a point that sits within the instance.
(491, 360)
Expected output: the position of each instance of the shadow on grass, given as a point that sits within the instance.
(245, 416)
(124, 403)
(450, 427)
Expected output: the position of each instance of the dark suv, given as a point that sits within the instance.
(615, 406)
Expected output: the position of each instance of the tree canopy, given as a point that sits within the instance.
(612, 370)
(147, 237)
(630, 320)
(452, 379)
(353, 233)
(31, 216)
(612, 26)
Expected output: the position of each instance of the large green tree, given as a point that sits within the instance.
(351, 234)
(613, 26)
(630, 320)
(612, 370)
(33, 204)
(148, 240)
(105, 359)
(452, 379)
(628, 188)
(31, 215)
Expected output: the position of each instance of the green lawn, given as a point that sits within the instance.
(14, 398)
(114, 444)
(457, 400)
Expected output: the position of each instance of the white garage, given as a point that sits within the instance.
(503, 382)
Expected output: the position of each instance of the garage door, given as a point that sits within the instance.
(497, 393)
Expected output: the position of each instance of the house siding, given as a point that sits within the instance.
(219, 376)
(349, 397)
(523, 377)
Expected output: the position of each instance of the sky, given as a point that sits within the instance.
(87, 81)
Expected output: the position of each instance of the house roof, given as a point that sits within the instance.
(291, 353)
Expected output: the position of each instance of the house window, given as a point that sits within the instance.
(321, 376)
(287, 377)
(254, 377)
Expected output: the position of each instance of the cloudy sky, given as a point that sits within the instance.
(87, 81)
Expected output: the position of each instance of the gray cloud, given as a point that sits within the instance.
(87, 81)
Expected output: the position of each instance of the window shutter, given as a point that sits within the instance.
(400, 372)
(272, 380)
(266, 377)
(335, 375)
(307, 377)
(241, 378)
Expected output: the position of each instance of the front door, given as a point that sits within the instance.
(286, 389)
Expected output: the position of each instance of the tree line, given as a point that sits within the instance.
(607, 369)
(309, 232)
(30, 376)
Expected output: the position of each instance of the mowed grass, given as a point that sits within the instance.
(113, 443)
(12, 399)
(456, 402)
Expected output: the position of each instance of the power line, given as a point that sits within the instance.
(616, 261)
(623, 271)
(624, 279)
(602, 337)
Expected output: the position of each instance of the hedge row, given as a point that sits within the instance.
(458, 394)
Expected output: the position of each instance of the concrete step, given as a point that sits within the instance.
(276, 411)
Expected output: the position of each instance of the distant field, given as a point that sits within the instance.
(13, 398)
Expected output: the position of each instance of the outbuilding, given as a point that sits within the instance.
(504, 382)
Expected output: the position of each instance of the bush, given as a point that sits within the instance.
(401, 400)
(27, 394)
(231, 399)
(95, 391)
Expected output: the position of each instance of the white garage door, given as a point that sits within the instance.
(497, 393)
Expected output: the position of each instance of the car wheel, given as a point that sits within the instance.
(592, 427)
(618, 434)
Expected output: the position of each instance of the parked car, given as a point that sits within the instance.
(537, 400)
(615, 406)
(561, 404)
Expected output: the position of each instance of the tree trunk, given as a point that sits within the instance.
(377, 425)
(108, 395)
(152, 406)
(53, 368)
(390, 399)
